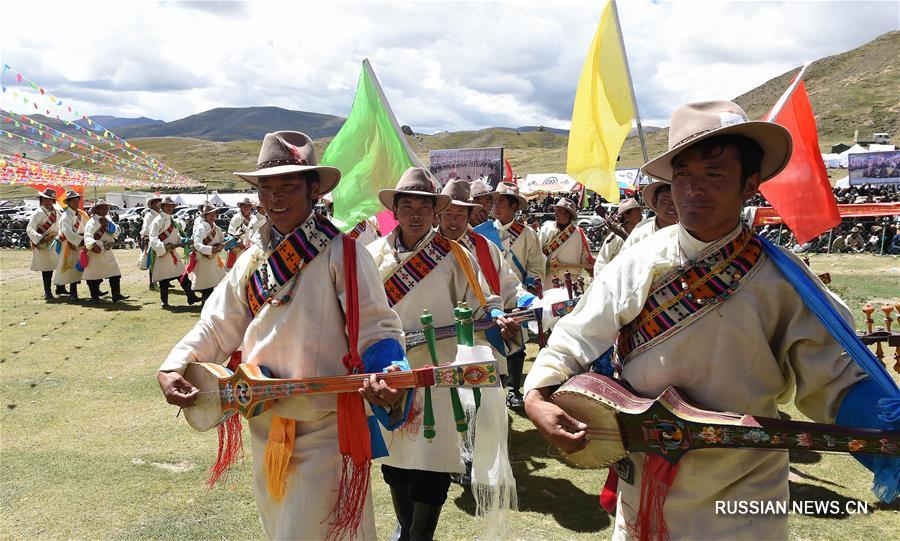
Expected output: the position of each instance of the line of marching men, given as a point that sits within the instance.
(69, 245)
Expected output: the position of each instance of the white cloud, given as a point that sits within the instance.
(444, 65)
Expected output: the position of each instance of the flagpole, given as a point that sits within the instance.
(779, 105)
(637, 114)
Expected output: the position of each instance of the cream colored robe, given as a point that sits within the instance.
(571, 253)
(510, 287)
(207, 272)
(239, 227)
(102, 265)
(438, 292)
(149, 216)
(527, 249)
(71, 237)
(612, 245)
(256, 221)
(43, 257)
(168, 263)
(303, 338)
(752, 352)
(369, 234)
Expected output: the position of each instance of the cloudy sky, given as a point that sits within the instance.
(443, 65)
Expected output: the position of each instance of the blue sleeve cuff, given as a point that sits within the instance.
(866, 405)
(377, 358)
(525, 300)
(495, 313)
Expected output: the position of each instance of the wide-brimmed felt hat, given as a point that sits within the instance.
(167, 201)
(648, 193)
(246, 201)
(71, 194)
(569, 205)
(284, 152)
(154, 198)
(480, 187)
(627, 205)
(460, 192)
(415, 181)
(99, 203)
(696, 122)
(512, 190)
(48, 193)
(206, 208)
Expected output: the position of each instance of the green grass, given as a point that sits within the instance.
(90, 450)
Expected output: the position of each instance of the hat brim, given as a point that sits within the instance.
(520, 199)
(76, 196)
(494, 196)
(42, 195)
(328, 176)
(464, 204)
(386, 197)
(152, 199)
(567, 209)
(774, 139)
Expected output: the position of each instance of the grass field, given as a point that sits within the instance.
(90, 450)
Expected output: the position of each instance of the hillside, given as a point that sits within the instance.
(238, 124)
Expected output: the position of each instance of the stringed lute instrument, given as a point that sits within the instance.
(249, 392)
(620, 422)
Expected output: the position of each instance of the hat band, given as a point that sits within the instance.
(276, 163)
(415, 189)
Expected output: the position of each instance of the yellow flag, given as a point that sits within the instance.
(603, 111)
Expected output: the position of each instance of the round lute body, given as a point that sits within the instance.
(620, 422)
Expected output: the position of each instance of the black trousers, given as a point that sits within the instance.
(47, 277)
(515, 363)
(424, 486)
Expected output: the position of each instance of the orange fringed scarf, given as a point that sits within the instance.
(353, 429)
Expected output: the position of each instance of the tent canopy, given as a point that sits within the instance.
(548, 183)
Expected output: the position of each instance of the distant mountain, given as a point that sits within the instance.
(239, 124)
(115, 123)
(558, 131)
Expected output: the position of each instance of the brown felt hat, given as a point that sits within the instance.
(460, 192)
(71, 194)
(48, 193)
(696, 122)
(415, 181)
(512, 190)
(568, 205)
(481, 187)
(628, 204)
(284, 152)
(206, 208)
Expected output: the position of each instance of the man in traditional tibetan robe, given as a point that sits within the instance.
(100, 234)
(732, 334)
(71, 241)
(285, 306)
(42, 229)
(564, 243)
(239, 228)
(491, 264)
(206, 263)
(658, 196)
(166, 241)
(629, 216)
(422, 269)
(521, 249)
(257, 221)
(150, 214)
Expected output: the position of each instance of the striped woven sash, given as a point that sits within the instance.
(287, 261)
(415, 269)
(684, 295)
(559, 239)
(515, 229)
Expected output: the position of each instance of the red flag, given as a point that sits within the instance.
(801, 193)
(508, 177)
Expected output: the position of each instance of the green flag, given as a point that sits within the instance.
(370, 151)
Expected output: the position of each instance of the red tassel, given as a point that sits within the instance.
(192, 264)
(231, 440)
(347, 512)
(656, 479)
(231, 445)
(232, 257)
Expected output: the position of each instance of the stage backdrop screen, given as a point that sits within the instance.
(874, 168)
(467, 164)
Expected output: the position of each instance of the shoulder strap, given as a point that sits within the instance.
(460, 254)
(483, 252)
(352, 296)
